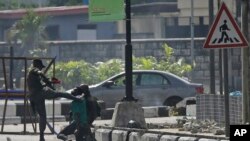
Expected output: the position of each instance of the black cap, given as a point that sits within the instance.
(38, 63)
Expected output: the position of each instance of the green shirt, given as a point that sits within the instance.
(79, 111)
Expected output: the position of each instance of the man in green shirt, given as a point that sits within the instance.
(83, 114)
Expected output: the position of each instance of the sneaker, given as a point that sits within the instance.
(62, 137)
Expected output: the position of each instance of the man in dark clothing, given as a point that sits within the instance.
(83, 114)
(41, 88)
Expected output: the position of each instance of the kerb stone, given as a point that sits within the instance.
(169, 138)
(103, 134)
(134, 136)
(119, 135)
(150, 137)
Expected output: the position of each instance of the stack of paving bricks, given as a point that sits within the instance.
(211, 107)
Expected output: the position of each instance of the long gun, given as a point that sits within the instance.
(49, 65)
(45, 79)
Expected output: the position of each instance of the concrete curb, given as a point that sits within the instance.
(130, 135)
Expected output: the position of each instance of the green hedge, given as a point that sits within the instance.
(73, 73)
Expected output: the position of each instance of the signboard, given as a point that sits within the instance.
(224, 32)
(106, 10)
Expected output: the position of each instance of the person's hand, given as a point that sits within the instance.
(55, 80)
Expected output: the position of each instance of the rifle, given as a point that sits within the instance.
(45, 79)
(49, 65)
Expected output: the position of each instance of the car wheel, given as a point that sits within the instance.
(172, 101)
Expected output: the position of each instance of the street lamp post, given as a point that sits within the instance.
(128, 55)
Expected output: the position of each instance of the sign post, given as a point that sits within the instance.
(112, 10)
(225, 33)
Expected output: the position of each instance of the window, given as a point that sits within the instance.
(120, 81)
(86, 32)
(52, 32)
(152, 79)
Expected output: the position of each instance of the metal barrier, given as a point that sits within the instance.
(7, 93)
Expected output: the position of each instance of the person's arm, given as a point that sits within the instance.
(46, 80)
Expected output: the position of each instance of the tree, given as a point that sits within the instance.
(15, 4)
(30, 32)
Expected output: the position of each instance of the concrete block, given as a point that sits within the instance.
(126, 111)
(119, 135)
(65, 106)
(150, 112)
(188, 139)
(57, 118)
(163, 111)
(150, 137)
(191, 110)
(49, 108)
(134, 136)
(20, 109)
(203, 139)
(10, 120)
(10, 108)
(48, 104)
(103, 134)
(107, 113)
(169, 138)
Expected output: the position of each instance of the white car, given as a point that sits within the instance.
(150, 87)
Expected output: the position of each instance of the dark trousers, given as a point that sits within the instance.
(81, 130)
(38, 105)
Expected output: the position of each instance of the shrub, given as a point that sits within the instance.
(73, 73)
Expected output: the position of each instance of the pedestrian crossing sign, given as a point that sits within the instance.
(225, 32)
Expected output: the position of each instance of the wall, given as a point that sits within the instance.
(102, 50)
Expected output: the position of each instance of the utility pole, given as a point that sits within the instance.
(212, 67)
(220, 62)
(192, 37)
(245, 63)
(128, 55)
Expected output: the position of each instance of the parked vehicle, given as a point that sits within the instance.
(150, 87)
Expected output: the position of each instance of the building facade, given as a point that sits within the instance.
(63, 23)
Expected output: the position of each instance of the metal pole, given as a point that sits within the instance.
(128, 55)
(25, 96)
(192, 36)
(212, 67)
(7, 94)
(220, 64)
(227, 115)
(11, 67)
(245, 64)
(220, 72)
(53, 119)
